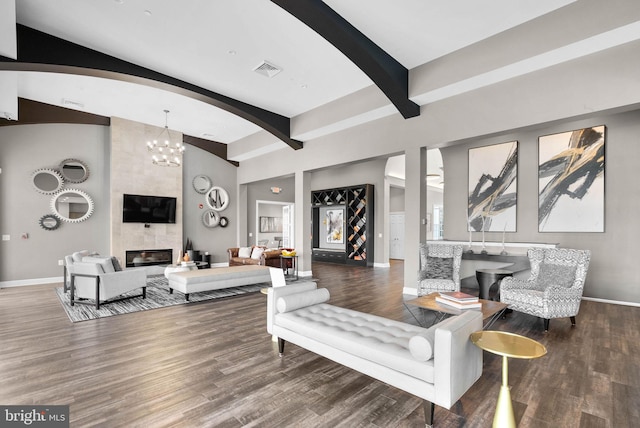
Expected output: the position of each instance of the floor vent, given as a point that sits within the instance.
(267, 69)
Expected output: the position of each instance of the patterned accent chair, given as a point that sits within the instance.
(439, 268)
(554, 289)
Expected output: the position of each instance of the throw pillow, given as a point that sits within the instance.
(421, 345)
(300, 300)
(244, 252)
(257, 253)
(552, 275)
(116, 264)
(439, 268)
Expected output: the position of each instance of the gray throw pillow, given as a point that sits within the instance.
(438, 268)
(552, 275)
(116, 264)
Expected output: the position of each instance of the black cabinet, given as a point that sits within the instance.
(353, 243)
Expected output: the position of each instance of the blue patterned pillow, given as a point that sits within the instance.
(438, 268)
(552, 275)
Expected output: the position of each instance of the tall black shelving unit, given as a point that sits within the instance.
(358, 202)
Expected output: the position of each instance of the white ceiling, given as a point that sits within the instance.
(215, 44)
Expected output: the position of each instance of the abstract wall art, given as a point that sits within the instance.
(493, 188)
(571, 181)
(334, 221)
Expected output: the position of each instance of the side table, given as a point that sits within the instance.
(508, 345)
(285, 265)
(487, 277)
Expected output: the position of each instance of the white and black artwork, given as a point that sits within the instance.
(571, 181)
(493, 188)
(334, 221)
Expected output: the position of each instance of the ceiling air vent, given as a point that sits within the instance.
(267, 69)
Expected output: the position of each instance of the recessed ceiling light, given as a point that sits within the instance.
(304, 86)
(148, 12)
(231, 52)
(119, 1)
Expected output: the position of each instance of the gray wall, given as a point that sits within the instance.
(215, 240)
(613, 273)
(25, 148)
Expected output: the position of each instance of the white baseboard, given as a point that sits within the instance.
(25, 282)
(305, 273)
(613, 302)
(411, 291)
(382, 265)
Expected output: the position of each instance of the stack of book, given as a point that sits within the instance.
(458, 300)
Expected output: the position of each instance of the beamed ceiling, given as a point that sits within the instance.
(84, 62)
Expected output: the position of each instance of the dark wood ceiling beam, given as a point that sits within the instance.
(38, 51)
(213, 147)
(33, 112)
(385, 71)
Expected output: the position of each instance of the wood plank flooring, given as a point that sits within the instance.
(213, 364)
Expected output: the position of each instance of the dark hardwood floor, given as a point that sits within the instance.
(213, 364)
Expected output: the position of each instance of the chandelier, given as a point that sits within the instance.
(164, 153)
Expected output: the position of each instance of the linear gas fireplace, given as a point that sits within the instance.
(149, 257)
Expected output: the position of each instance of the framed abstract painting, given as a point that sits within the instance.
(493, 188)
(571, 181)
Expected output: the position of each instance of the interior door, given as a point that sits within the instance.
(396, 236)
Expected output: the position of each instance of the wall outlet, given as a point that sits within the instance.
(60, 262)
(250, 234)
(6, 237)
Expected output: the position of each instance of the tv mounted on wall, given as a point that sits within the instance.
(148, 209)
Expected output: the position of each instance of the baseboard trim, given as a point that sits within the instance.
(410, 291)
(613, 302)
(382, 265)
(25, 282)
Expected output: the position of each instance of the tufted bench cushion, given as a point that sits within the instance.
(367, 336)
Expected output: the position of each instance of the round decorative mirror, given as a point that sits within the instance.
(74, 170)
(210, 218)
(49, 222)
(201, 183)
(217, 198)
(224, 222)
(72, 205)
(47, 181)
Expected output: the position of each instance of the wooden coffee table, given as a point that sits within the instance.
(491, 310)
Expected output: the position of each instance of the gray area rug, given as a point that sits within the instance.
(157, 297)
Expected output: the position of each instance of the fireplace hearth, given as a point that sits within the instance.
(148, 257)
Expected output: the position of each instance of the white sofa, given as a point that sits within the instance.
(97, 278)
(438, 364)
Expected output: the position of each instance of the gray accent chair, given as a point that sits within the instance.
(554, 288)
(95, 281)
(439, 268)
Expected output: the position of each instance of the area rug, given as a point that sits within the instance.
(157, 297)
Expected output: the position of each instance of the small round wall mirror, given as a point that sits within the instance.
(201, 184)
(47, 181)
(74, 170)
(217, 198)
(49, 222)
(72, 205)
(210, 218)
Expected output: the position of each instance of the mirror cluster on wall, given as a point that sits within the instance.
(216, 198)
(69, 205)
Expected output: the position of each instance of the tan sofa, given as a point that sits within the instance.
(268, 258)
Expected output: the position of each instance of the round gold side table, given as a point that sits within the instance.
(508, 345)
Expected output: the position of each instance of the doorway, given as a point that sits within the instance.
(396, 236)
(275, 224)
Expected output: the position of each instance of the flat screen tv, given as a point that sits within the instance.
(148, 209)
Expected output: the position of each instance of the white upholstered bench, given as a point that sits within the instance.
(217, 278)
(438, 364)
